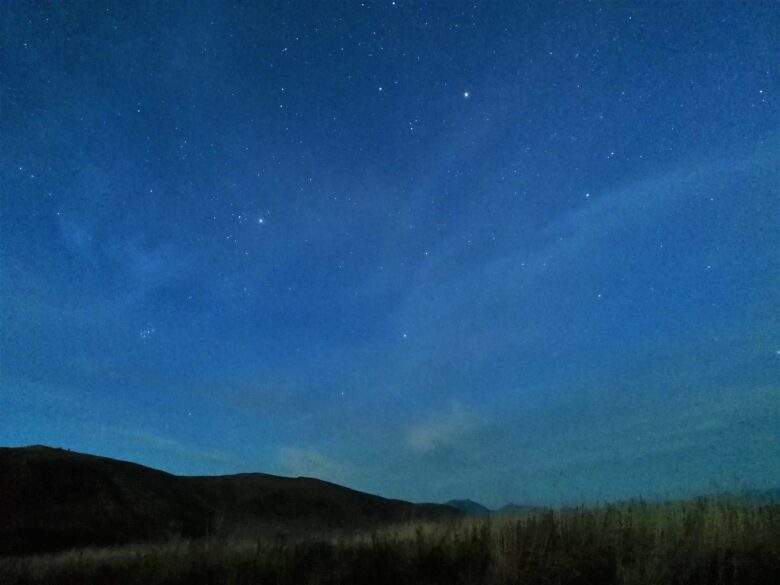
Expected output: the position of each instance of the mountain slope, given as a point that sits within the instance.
(52, 499)
(470, 507)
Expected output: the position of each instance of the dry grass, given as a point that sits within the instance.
(691, 543)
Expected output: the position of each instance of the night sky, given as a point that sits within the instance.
(520, 252)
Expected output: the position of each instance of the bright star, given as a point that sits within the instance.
(466, 94)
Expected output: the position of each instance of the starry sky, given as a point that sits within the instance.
(517, 252)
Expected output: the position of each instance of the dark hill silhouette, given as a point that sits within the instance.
(470, 507)
(52, 499)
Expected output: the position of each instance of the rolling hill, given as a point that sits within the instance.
(470, 507)
(53, 499)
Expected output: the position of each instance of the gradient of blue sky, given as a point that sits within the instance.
(512, 252)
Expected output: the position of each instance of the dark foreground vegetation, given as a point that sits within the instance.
(699, 542)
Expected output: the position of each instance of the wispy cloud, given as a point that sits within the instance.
(442, 432)
(312, 463)
(461, 316)
(77, 237)
(147, 267)
(138, 266)
(180, 455)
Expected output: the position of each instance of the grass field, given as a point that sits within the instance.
(697, 542)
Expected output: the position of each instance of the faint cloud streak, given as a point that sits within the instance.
(442, 432)
(311, 463)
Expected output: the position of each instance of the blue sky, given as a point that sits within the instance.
(511, 252)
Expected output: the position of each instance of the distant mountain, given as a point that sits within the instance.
(52, 499)
(470, 507)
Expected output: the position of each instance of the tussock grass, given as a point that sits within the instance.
(712, 542)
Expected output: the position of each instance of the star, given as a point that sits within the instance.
(260, 220)
(466, 94)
